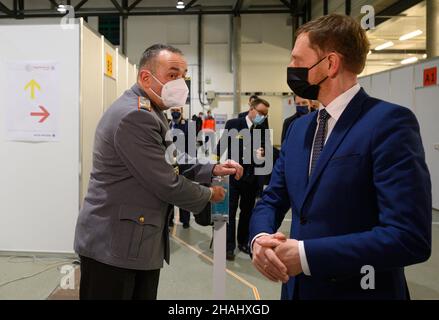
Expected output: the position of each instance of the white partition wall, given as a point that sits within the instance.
(43, 183)
(405, 86)
(92, 98)
(110, 81)
(401, 87)
(122, 74)
(380, 85)
(39, 190)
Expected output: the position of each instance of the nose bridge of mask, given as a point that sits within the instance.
(299, 73)
(174, 83)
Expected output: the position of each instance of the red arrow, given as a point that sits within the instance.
(43, 114)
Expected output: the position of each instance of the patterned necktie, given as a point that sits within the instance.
(319, 140)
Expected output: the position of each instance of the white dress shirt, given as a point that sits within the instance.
(249, 122)
(335, 110)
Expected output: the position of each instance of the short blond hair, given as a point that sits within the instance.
(342, 34)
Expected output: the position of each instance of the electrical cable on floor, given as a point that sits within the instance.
(35, 260)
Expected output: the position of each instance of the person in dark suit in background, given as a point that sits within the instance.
(263, 179)
(354, 176)
(180, 130)
(198, 122)
(244, 192)
(303, 107)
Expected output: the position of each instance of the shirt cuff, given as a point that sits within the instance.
(303, 260)
(255, 237)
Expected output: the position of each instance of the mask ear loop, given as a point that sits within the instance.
(156, 79)
(315, 64)
(324, 79)
(158, 82)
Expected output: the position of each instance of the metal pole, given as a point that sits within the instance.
(219, 260)
(124, 34)
(236, 64)
(432, 28)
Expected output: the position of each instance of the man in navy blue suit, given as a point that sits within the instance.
(354, 176)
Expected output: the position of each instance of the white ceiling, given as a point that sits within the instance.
(408, 21)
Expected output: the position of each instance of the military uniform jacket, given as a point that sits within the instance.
(123, 221)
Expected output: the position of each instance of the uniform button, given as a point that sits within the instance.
(303, 220)
(141, 219)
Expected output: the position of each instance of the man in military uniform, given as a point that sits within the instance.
(122, 232)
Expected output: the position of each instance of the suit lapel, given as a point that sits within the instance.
(303, 162)
(346, 121)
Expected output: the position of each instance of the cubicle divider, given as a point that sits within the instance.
(416, 87)
(45, 176)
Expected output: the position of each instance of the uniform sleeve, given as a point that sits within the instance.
(140, 145)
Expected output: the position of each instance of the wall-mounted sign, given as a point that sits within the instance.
(109, 65)
(32, 101)
(430, 77)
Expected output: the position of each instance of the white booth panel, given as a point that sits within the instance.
(39, 194)
(122, 74)
(380, 86)
(365, 83)
(92, 104)
(428, 116)
(401, 87)
(110, 84)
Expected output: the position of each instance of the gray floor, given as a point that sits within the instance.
(190, 274)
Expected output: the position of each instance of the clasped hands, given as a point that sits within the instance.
(277, 257)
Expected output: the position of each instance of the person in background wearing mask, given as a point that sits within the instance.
(244, 191)
(354, 176)
(250, 100)
(122, 234)
(180, 124)
(303, 107)
(265, 179)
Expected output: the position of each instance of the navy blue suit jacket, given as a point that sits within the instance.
(368, 202)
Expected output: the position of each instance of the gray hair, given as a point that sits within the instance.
(148, 59)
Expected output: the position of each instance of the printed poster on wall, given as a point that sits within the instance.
(32, 101)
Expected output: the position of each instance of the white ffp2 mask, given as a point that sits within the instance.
(174, 93)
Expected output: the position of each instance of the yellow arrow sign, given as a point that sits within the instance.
(32, 85)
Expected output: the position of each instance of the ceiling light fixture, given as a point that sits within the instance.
(62, 8)
(384, 46)
(409, 60)
(411, 35)
(180, 5)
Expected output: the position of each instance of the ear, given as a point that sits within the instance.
(334, 60)
(145, 79)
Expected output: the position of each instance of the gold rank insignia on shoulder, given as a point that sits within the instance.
(176, 170)
(144, 104)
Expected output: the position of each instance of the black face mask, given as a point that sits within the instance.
(297, 79)
(176, 115)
